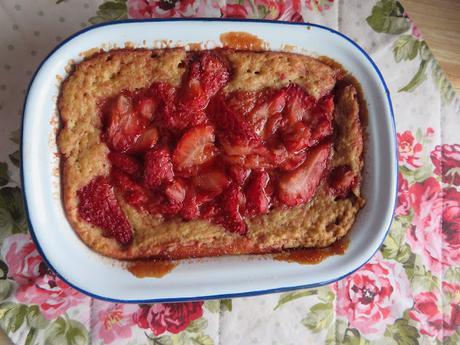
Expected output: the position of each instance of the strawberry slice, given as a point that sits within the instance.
(257, 200)
(124, 124)
(298, 104)
(147, 107)
(341, 180)
(320, 120)
(158, 168)
(194, 148)
(206, 75)
(126, 163)
(145, 141)
(213, 181)
(133, 192)
(99, 206)
(270, 105)
(294, 161)
(175, 192)
(299, 186)
(231, 202)
(190, 208)
(238, 174)
(297, 137)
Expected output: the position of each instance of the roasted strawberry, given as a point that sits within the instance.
(158, 168)
(320, 119)
(99, 206)
(294, 161)
(194, 148)
(190, 208)
(133, 192)
(299, 186)
(145, 141)
(213, 181)
(175, 191)
(206, 75)
(342, 180)
(126, 163)
(297, 137)
(231, 216)
(274, 123)
(298, 104)
(268, 106)
(147, 107)
(257, 200)
(238, 174)
(232, 123)
(124, 124)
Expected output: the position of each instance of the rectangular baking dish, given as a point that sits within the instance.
(206, 278)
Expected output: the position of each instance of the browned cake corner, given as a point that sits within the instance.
(323, 220)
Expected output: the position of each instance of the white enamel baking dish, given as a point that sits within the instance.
(207, 278)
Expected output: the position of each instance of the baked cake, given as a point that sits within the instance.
(175, 154)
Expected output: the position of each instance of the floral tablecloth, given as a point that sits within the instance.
(409, 293)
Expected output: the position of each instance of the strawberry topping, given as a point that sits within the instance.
(196, 151)
(99, 206)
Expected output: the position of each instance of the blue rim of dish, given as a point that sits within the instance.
(218, 296)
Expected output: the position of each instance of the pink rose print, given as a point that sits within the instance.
(112, 320)
(431, 321)
(451, 227)
(374, 297)
(408, 151)
(425, 235)
(403, 205)
(266, 9)
(171, 317)
(452, 292)
(446, 160)
(21, 256)
(53, 296)
(173, 8)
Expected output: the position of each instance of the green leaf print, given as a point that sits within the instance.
(336, 332)
(403, 333)
(417, 79)
(216, 306)
(110, 10)
(35, 319)
(15, 158)
(12, 217)
(66, 332)
(319, 317)
(213, 306)
(163, 340)
(31, 336)
(452, 275)
(291, 296)
(395, 246)
(442, 83)
(180, 339)
(197, 326)
(201, 339)
(406, 48)
(352, 337)
(387, 16)
(5, 289)
(4, 176)
(12, 316)
(226, 305)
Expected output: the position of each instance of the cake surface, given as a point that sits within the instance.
(86, 142)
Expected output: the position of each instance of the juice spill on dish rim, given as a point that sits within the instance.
(151, 268)
(242, 41)
(311, 256)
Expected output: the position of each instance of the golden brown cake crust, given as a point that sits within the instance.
(84, 156)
